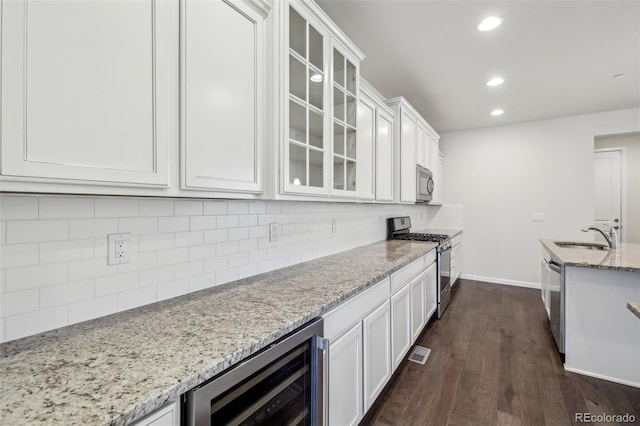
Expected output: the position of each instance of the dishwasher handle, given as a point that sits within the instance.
(556, 267)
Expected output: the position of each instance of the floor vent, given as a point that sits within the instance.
(419, 354)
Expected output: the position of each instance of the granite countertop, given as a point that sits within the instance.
(634, 307)
(624, 258)
(116, 369)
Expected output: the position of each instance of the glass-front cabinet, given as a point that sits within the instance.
(345, 82)
(306, 150)
(320, 83)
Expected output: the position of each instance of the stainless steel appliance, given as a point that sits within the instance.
(424, 185)
(556, 304)
(398, 228)
(444, 276)
(282, 385)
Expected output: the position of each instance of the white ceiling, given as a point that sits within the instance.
(558, 58)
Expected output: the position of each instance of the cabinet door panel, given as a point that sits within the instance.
(400, 324)
(222, 95)
(407, 158)
(85, 90)
(431, 291)
(345, 378)
(366, 146)
(417, 306)
(384, 157)
(377, 352)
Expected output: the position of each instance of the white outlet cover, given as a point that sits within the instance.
(274, 232)
(112, 239)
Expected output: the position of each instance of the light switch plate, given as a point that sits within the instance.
(334, 225)
(118, 248)
(538, 217)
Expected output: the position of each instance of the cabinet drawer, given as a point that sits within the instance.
(429, 258)
(457, 239)
(401, 277)
(338, 320)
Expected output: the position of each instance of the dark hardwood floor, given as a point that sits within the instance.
(494, 362)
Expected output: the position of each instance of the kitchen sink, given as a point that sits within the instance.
(578, 245)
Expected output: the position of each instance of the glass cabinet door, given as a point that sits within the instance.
(344, 123)
(306, 103)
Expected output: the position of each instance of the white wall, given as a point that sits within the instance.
(53, 249)
(503, 174)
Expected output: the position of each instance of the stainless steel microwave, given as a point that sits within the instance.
(424, 185)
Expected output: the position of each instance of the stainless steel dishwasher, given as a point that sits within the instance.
(556, 308)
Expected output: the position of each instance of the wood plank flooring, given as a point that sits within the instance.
(494, 362)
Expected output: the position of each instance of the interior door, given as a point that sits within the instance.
(607, 181)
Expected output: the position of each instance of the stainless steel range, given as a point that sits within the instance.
(398, 228)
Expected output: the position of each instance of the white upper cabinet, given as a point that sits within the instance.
(375, 146)
(405, 135)
(345, 108)
(86, 91)
(366, 147)
(223, 86)
(415, 142)
(319, 70)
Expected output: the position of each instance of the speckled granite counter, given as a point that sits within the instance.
(624, 258)
(635, 308)
(116, 369)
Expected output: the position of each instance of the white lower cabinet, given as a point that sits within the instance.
(418, 305)
(400, 324)
(345, 378)
(431, 293)
(370, 334)
(456, 259)
(377, 352)
(169, 415)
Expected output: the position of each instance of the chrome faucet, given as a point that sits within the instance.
(610, 236)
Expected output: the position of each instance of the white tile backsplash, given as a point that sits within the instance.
(53, 249)
(18, 207)
(65, 207)
(15, 255)
(30, 231)
(92, 228)
(36, 276)
(116, 207)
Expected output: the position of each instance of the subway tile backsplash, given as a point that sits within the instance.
(53, 249)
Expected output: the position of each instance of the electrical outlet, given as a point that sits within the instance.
(334, 225)
(274, 232)
(118, 246)
(538, 217)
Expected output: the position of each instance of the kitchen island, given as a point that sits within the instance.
(116, 369)
(601, 339)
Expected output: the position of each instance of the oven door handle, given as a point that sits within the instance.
(322, 397)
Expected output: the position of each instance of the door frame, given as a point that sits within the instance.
(623, 188)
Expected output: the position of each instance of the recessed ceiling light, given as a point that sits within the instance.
(495, 81)
(497, 112)
(489, 23)
(316, 78)
(618, 75)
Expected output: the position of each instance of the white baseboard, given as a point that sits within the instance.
(602, 376)
(501, 281)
